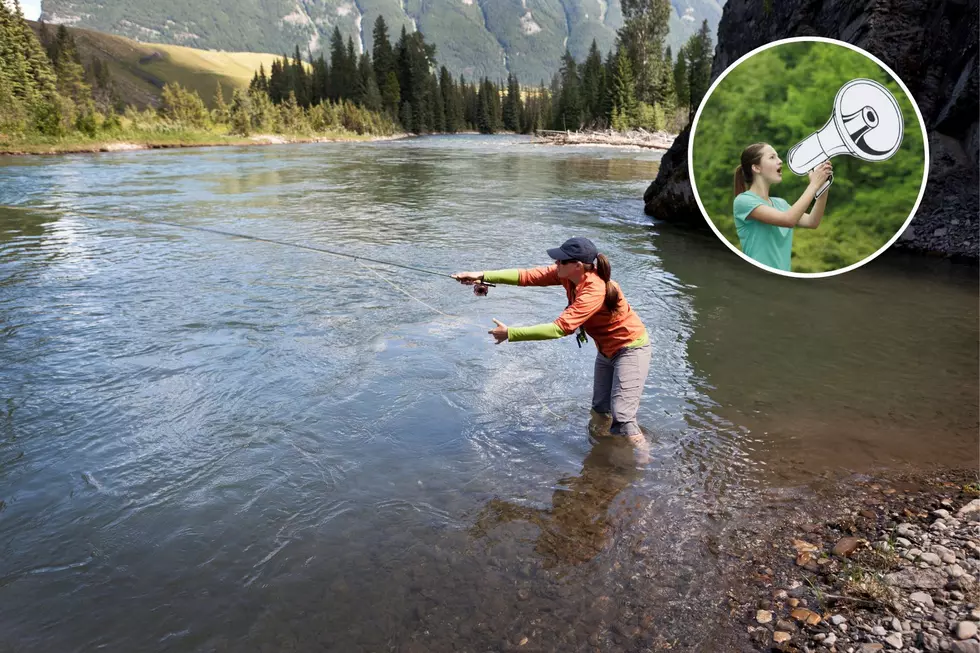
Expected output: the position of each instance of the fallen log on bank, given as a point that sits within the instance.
(635, 138)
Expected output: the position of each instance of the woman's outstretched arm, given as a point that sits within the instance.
(542, 276)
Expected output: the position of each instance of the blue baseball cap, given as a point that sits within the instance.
(578, 249)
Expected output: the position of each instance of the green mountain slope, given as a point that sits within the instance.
(139, 70)
(472, 37)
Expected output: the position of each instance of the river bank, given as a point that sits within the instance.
(872, 564)
(633, 138)
(147, 140)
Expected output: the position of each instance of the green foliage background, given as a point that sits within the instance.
(780, 96)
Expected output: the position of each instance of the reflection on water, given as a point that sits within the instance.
(577, 526)
(227, 445)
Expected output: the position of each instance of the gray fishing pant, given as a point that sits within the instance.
(619, 385)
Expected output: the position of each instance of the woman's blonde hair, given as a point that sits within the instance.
(752, 155)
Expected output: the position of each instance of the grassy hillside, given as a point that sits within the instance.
(139, 70)
(472, 37)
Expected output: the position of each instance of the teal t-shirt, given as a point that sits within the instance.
(765, 243)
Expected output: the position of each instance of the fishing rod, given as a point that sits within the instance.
(481, 288)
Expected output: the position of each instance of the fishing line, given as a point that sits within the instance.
(232, 234)
(273, 241)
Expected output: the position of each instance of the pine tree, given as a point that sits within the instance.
(623, 94)
(318, 80)
(406, 116)
(241, 112)
(368, 93)
(484, 110)
(339, 82)
(682, 87)
(700, 55)
(69, 70)
(642, 35)
(665, 89)
(221, 113)
(391, 97)
(384, 57)
(28, 85)
(300, 81)
(570, 102)
(183, 106)
(592, 85)
(438, 104)
(450, 101)
(512, 105)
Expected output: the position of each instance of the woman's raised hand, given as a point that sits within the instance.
(468, 278)
(820, 174)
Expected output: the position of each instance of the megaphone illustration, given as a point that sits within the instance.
(866, 123)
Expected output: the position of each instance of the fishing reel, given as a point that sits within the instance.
(481, 288)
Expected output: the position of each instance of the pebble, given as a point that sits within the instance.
(912, 579)
(901, 541)
(905, 530)
(780, 637)
(830, 639)
(931, 558)
(896, 625)
(763, 616)
(975, 615)
(944, 554)
(838, 619)
(894, 640)
(870, 648)
(846, 546)
(921, 597)
(806, 616)
(973, 506)
(955, 571)
(970, 646)
(879, 631)
(966, 630)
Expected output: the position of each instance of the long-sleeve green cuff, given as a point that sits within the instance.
(547, 331)
(511, 277)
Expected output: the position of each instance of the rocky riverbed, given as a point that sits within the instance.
(893, 566)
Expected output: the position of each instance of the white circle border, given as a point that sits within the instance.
(925, 147)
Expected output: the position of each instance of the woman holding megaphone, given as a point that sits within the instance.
(765, 224)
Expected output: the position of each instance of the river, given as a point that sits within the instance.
(216, 444)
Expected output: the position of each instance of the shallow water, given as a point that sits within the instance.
(209, 443)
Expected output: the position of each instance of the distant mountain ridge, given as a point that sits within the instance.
(475, 38)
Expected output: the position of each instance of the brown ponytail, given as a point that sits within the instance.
(604, 270)
(752, 155)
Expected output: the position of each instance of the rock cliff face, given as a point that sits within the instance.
(931, 45)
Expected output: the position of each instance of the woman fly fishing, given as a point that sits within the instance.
(765, 224)
(597, 307)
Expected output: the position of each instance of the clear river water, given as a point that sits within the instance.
(215, 444)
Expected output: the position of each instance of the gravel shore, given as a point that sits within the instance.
(894, 566)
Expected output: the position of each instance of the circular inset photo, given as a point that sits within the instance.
(808, 157)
